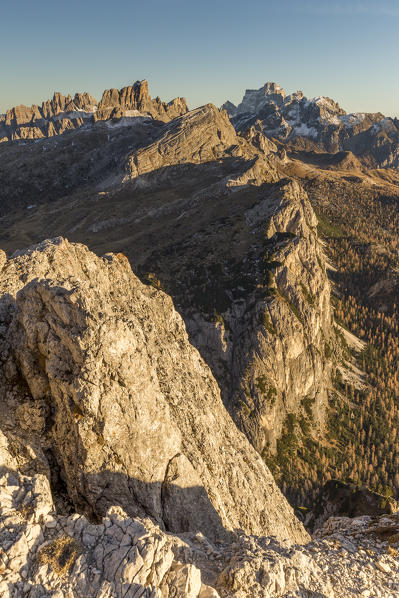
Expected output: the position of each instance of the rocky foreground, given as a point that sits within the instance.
(121, 473)
(45, 554)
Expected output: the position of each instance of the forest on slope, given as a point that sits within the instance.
(359, 227)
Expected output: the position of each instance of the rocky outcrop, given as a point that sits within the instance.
(267, 346)
(64, 113)
(53, 117)
(45, 553)
(201, 212)
(59, 104)
(255, 99)
(318, 124)
(125, 411)
(202, 135)
(270, 347)
(135, 98)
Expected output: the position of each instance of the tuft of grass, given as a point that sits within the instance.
(60, 555)
(154, 281)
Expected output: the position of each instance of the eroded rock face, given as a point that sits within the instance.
(135, 98)
(202, 135)
(127, 410)
(201, 210)
(43, 552)
(269, 348)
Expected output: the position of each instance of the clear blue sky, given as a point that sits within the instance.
(207, 51)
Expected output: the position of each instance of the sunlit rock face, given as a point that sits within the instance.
(123, 405)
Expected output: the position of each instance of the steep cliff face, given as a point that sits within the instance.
(102, 389)
(117, 455)
(135, 99)
(53, 117)
(270, 348)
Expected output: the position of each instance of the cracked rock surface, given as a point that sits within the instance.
(103, 393)
(46, 554)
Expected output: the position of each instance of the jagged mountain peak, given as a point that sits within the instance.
(318, 124)
(272, 93)
(62, 113)
(136, 99)
(255, 99)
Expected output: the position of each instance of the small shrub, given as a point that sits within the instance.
(268, 391)
(307, 403)
(267, 322)
(310, 298)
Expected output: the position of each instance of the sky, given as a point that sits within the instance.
(206, 51)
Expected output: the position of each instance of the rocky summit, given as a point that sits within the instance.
(197, 348)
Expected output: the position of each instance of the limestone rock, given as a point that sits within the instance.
(135, 98)
(200, 211)
(136, 416)
(199, 136)
(229, 107)
(254, 100)
(259, 351)
(44, 553)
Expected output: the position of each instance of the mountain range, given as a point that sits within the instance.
(249, 362)
(318, 125)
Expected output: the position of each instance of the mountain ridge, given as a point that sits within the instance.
(63, 113)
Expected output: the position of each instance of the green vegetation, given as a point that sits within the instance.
(292, 307)
(268, 391)
(267, 322)
(327, 351)
(287, 443)
(310, 298)
(307, 404)
(326, 228)
(360, 229)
